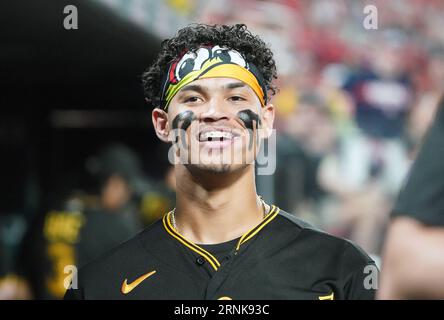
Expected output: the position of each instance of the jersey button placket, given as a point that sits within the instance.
(200, 261)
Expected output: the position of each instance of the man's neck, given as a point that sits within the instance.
(214, 208)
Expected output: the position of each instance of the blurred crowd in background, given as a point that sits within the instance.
(353, 107)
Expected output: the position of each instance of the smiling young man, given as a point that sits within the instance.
(210, 90)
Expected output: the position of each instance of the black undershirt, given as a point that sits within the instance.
(220, 250)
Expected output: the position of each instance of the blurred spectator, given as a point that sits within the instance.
(311, 125)
(293, 176)
(83, 224)
(382, 90)
(306, 135)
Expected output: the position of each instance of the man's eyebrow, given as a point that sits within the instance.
(234, 85)
(202, 89)
(194, 87)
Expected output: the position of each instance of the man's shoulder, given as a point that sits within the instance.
(104, 277)
(323, 243)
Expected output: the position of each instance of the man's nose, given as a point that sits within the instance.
(214, 111)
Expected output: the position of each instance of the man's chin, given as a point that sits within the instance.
(215, 168)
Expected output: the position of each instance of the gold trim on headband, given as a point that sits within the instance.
(237, 72)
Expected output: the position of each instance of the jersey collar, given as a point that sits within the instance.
(167, 224)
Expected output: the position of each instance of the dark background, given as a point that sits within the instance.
(65, 93)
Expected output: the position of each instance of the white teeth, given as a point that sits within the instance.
(216, 135)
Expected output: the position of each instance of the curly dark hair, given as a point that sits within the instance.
(192, 37)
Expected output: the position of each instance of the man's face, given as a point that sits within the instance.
(217, 124)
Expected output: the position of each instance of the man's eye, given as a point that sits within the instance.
(237, 98)
(192, 99)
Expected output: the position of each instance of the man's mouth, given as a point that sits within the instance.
(217, 138)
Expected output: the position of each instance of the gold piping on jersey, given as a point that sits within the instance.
(208, 256)
(247, 236)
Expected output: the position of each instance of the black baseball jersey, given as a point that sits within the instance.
(281, 258)
(422, 197)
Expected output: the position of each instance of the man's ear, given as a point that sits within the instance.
(160, 123)
(268, 113)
